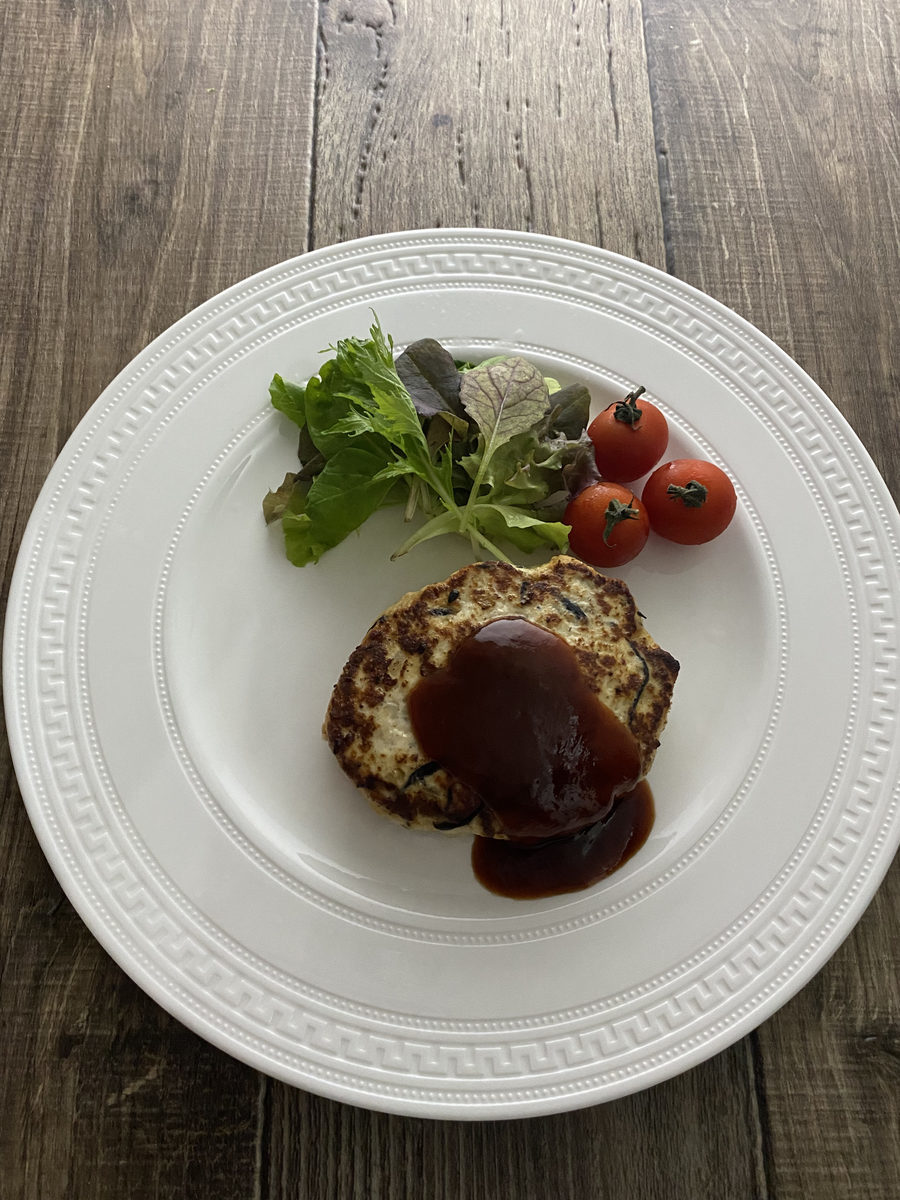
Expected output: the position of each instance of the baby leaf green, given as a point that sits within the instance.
(478, 450)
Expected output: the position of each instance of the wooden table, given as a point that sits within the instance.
(154, 152)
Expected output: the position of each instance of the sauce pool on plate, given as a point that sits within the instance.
(512, 716)
(566, 864)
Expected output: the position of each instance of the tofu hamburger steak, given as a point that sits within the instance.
(516, 704)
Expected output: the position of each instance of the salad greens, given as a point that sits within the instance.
(491, 451)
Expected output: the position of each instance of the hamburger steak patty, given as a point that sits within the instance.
(368, 726)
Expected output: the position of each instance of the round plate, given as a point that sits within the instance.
(167, 672)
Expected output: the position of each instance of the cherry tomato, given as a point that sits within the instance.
(689, 501)
(629, 438)
(609, 524)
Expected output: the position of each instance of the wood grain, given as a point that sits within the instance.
(786, 209)
(778, 130)
(435, 114)
(152, 153)
(692, 1136)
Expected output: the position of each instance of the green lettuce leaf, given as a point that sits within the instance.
(348, 490)
(527, 532)
(289, 398)
(327, 403)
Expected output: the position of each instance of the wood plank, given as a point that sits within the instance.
(778, 139)
(150, 154)
(777, 135)
(105, 1095)
(691, 1136)
(523, 116)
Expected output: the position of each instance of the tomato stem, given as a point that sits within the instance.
(692, 495)
(627, 410)
(616, 512)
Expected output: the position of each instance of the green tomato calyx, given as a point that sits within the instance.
(616, 512)
(692, 495)
(627, 410)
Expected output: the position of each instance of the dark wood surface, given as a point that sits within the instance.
(154, 152)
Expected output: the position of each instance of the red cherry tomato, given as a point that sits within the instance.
(689, 501)
(609, 524)
(629, 438)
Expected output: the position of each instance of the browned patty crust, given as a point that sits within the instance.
(367, 724)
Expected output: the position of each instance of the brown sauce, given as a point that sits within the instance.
(570, 863)
(511, 715)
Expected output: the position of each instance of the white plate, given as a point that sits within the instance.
(166, 674)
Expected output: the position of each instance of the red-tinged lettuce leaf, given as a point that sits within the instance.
(504, 397)
(289, 494)
(429, 373)
(580, 469)
(571, 411)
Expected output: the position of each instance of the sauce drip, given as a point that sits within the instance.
(512, 716)
(566, 864)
